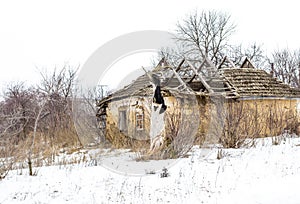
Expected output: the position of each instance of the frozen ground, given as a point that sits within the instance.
(264, 174)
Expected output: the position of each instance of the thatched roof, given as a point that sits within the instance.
(138, 87)
(251, 82)
(243, 82)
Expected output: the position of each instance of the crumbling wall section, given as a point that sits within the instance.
(131, 136)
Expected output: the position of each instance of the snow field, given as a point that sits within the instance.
(263, 174)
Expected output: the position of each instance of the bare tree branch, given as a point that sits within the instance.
(205, 34)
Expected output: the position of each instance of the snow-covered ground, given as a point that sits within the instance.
(263, 174)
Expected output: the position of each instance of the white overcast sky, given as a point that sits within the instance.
(48, 34)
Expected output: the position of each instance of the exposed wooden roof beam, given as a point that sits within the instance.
(174, 74)
(163, 62)
(200, 67)
(176, 70)
(224, 60)
(209, 68)
(205, 84)
(179, 79)
(247, 63)
(147, 73)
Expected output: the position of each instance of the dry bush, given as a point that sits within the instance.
(238, 123)
(7, 159)
(181, 127)
(281, 120)
(39, 120)
(204, 111)
(17, 112)
(12, 154)
(231, 136)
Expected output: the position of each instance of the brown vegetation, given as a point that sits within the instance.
(238, 123)
(38, 120)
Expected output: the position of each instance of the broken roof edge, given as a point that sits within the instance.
(166, 92)
(140, 86)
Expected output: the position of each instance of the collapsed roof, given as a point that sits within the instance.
(230, 82)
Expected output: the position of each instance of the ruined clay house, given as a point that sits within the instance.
(199, 99)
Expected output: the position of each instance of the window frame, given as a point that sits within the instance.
(139, 122)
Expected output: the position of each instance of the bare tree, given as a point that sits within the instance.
(285, 65)
(57, 87)
(237, 53)
(58, 82)
(31, 118)
(205, 34)
(172, 55)
(38, 117)
(17, 112)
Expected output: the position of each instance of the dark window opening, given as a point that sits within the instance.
(122, 120)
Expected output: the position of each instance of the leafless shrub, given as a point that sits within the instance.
(38, 120)
(173, 122)
(17, 112)
(181, 126)
(227, 124)
(57, 89)
(240, 122)
(5, 167)
(234, 124)
(280, 120)
(7, 160)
